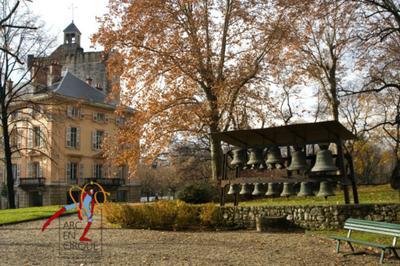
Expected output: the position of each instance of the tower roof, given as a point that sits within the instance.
(72, 28)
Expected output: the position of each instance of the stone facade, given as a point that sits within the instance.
(71, 57)
(313, 217)
(69, 128)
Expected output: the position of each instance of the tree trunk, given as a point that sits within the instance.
(395, 177)
(215, 144)
(216, 152)
(8, 162)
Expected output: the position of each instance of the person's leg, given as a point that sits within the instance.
(57, 214)
(86, 230)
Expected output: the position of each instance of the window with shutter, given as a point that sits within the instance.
(18, 172)
(98, 170)
(30, 137)
(72, 137)
(73, 111)
(67, 171)
(40, 170)
(67, 137)
(93, 140)
(41, 136)
(36, 169)
(37, 137)
(94, 116)
(19, 138)
(29, 169)
(69, 111)
(81, 171)
(78, 137)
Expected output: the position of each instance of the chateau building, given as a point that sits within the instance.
(64, 133)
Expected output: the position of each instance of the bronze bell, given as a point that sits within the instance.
(325, 190)
(257, 189)
(324, 161)
(256, 158)
(273, 190)
(233, 189)
(305, 190)
(274, 157)
(288, 190)
(246, 189)
(298, 161)
(239, 157)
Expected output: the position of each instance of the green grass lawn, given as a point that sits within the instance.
(26, 214)
(366, 194)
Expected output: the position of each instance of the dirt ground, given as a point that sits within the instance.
(24, 244)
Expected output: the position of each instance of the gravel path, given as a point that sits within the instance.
(23, 244)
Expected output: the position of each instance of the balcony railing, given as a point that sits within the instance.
(31, 181)
(104, 181)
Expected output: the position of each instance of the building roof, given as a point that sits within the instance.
(72, 86)
(304, 133)
(72, 28)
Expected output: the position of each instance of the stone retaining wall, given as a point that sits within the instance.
(313, 217)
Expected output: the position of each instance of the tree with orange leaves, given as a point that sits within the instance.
(186, 64)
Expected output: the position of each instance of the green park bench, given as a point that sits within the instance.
(382, 228)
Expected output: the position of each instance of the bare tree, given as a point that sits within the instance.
(19, 36)
(380, 39)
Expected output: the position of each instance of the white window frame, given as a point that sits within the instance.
(35, 169)
(98, 170)
(97, 139)
(37, 136)
(72, 167)
(72, 139)
(100, 117)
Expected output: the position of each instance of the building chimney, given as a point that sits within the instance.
(89, 80)
(39, 75)
(54, 73)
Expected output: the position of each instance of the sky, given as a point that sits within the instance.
(57, 15)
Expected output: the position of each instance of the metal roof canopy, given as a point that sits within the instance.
(305, 133)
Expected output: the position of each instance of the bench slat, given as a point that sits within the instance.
(376, 230)
(373, 223)
(373, 227)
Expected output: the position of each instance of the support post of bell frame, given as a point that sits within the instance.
(352, 179)
(340, 157)
(223, 177)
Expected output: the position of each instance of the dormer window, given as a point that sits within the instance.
(73, 111)
(100, 117)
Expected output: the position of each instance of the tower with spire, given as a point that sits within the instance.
(72, 35)
(70, 56)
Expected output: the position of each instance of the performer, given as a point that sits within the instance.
(86, 207)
